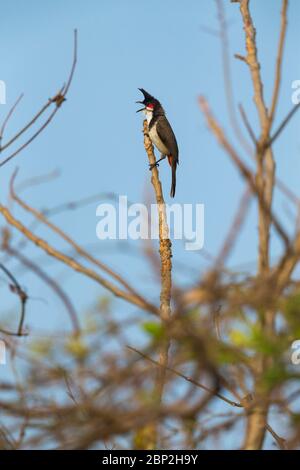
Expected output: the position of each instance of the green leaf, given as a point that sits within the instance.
(155, 330)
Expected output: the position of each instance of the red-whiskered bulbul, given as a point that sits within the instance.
(161, 134)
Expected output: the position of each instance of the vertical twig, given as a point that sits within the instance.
(265, 179)
(230, 102)
(279, 62)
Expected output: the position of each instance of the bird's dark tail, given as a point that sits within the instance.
(173, 186)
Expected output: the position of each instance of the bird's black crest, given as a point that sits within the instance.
(147, 97)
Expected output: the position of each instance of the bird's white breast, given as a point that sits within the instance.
(157, 141)
(154, 136)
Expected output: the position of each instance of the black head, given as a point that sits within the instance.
(149, 101)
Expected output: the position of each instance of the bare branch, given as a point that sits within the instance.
(42, 218)
(188, 379)
(283, 124)
(279, 62)
(74, 264)
(234, 229)
(16, 289)
(230, 101)
(244, 170)
(247, 124)
(52, 283)
(10, 113)
(279, 440)
(58, 99)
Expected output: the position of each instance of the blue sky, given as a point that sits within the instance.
(96, 142)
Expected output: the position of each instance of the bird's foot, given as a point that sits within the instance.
(152, 165)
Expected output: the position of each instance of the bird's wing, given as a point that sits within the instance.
(167, 136)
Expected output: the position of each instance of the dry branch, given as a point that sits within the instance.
(42, 218)
(75, 265)
(57, 100)
(165, 253)
(16, 289)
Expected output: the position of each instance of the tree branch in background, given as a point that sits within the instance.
(283, 124)
(247, 124)
(42, 218)
(9, 115)
(228, 82)
(51, 283)
(279, 62)
(265, 180)
(188, 379)
(75, 265)
(57, 100)
(241, 166)
(234, 230)
(16, 289)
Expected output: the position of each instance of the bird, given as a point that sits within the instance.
(161, 134)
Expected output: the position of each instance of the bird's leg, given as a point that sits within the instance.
(152, 165)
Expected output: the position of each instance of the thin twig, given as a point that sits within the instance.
(279, 62)
(234, 228)
(42, 218)
(9, 114)
(279, 440)
(247, 124)
(36, 180)
(244, 170)
(229, 93)
(16, 289)
(75, 265)
(58, 99)
(52, 283)
(283, 124)
(185, 377)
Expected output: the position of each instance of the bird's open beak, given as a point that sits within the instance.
(142, 109)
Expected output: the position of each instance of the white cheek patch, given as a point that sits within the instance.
(148, 114)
